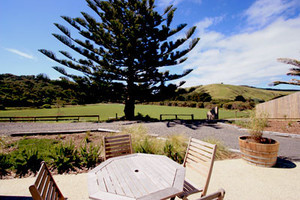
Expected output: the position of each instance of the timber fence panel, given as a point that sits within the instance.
(287, 107)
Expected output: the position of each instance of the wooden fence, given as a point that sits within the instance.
(48, 118)
(287, 107)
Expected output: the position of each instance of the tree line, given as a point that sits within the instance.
(41, 91)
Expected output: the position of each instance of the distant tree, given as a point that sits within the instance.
(129, 44)
(200, 96)
(240, 98)
(293, 71)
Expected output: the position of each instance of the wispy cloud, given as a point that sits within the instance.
(164, 3)
(263, 12)
(207, 22)
(244, 58)
(20, 53)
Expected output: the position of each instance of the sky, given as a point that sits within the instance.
(240, 41)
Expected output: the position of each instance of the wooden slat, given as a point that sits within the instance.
(199, 155)
(119, 176)
(44, 186)
(199, 151)
(193, 140)
(117, 145)
(202, 147)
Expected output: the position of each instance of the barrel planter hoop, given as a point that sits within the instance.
(264, 155)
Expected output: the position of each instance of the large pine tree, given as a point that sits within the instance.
(129, 43)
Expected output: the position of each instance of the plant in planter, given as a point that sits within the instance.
(256, 149)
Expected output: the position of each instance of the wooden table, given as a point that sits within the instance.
(136, 176)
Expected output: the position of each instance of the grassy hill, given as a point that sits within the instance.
(229, 92)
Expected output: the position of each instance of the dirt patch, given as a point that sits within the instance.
(284, 126)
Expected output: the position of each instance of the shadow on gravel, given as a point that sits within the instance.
(284, 163)
(15, 198)
(195, 124)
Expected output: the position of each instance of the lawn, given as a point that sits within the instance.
(110, 110)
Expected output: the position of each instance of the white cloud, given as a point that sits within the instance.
(246, 58)
(20, 53)
(207, 22)
(262, 12)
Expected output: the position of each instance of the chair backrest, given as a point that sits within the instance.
(118, 145)
(200, 157)
(44, 186)
(219, 195)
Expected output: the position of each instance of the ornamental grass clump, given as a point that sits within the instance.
(142, 142)
(175, 147)
(258, 122)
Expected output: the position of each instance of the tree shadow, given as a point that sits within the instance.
(285, 163)
(15, 198)
(195, 124)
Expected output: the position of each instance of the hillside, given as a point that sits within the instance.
(229, 92)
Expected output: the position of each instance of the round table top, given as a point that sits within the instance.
(136, 176)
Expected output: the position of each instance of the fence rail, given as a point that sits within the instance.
(176, 115)
(48, 118)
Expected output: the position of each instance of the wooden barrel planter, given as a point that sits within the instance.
(259, 154)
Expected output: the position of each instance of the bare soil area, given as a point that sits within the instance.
(284, 126)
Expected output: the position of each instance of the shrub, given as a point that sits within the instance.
(240, 98)
(5, 164)
(28, 160)
(227, 105)
(200, 105)
(66, 158)
(90, 155)
(2, 107)
(192, 104)
(47, 106)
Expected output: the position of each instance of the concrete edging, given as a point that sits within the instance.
(289, 135)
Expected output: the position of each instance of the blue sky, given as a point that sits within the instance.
(240, 40)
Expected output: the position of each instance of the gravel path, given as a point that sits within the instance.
(289, 147)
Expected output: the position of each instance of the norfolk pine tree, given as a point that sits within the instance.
(129, 44)
(293, 71)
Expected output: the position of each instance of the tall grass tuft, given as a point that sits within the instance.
(175, 147)
(222, 151)
(142, 142)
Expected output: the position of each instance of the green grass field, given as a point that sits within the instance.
(110, 110)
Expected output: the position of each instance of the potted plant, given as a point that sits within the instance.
(256, 149)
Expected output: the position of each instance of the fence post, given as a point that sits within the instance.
(160, 117)
(175, 116)
(192, 117)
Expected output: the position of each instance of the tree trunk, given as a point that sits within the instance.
(129, 108)
(130, 101)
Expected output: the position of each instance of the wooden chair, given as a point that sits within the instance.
(199, 157)
(219, 195)
(118, 145)
(44, 186)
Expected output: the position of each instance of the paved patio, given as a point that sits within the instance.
(239, 179)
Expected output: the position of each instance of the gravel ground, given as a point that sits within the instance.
(289, 147)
